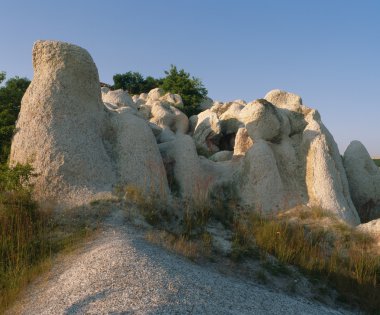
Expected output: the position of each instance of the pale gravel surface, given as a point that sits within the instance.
(120, 273)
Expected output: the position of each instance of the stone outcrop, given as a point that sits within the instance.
(269, 154)
(80, 149)
(364, 180)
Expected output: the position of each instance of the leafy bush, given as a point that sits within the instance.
(191, 89)
(377, 162)
(10, 102)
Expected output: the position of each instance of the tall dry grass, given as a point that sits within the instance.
(29, 235)
(335, 253)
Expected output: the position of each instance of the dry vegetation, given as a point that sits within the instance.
(324, 249)
(30, 235)
(321, 246)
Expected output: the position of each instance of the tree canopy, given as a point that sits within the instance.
(10, 101)
(134, 82)
(176, 81)
(191, 89)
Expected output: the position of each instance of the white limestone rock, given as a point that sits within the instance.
(79, 148)
(154, 95)
(187, 170)
(262, 121)
(259, 181)
(118, 97)
(221, 156)
(242, 142)
(206, 103)
(61, 125)
(364, 181)
(168, 116)
(326, 179)
(283, 99)
(206, 130)
(372, 228)
(229, 120)
(135, 153)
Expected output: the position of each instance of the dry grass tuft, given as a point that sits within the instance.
(31, 235)
(335, 253)
(180, 244)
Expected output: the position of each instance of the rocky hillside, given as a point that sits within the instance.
(269, 154)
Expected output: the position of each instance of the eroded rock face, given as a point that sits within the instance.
(66, 133)
(270, 154)
(364, 180)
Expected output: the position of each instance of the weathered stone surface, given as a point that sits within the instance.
(118, 97)
(65, 132)
(283, 99)
(221, 156)
(206, 130)
(364, 181)
(326, 179)
(262, 121)
(206, 103)
(260, 184)
(242, 142)
(187, 170)
(273, 153)
(167, 116)
(372, 228)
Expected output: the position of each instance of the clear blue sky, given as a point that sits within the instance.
(327, 51)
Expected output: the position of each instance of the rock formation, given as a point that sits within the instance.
(80, 149)
(270, 154)
(364, 180)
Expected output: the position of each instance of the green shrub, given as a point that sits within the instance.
(191, 89)
(176, 81)
(134, 82)
(10, 101)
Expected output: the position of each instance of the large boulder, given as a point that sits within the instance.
(167, 116)
(259, 181)
(242, 142)
(185, 163)
(283, 99)
(372, 228)
(119, 98)
(77, 147)
(364, 180)
(135, 154)
(207, 130)
(326, 180)
(262, 121)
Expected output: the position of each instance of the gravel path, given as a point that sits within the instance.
(120, 273)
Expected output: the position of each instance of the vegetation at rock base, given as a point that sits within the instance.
(10, 101)
(30, 235)
(323, 248)
(176, 81)
(377, 162)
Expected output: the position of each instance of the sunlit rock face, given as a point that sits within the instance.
(269, 154)
(364, 180)
(78, 148)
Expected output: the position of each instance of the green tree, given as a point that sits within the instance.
(191, 89)
(2, 76)
(10, 101)
(134, 82)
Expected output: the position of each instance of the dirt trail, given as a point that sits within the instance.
(121, 273)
